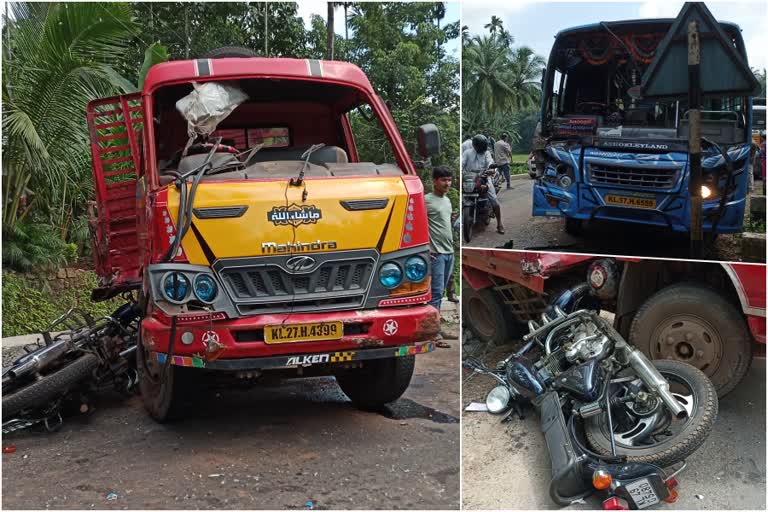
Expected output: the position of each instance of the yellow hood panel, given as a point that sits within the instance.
(267, 228)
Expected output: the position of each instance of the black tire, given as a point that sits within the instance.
(466, 224)
(574, 227)
(40, 392)
(728, 339)
(229, 51)
(486, 316)
(165, 399)
(378, 382)
(677, 448)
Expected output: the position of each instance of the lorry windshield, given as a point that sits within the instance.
(281, 119)
(595, 88)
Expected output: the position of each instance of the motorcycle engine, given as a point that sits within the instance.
(587, 343)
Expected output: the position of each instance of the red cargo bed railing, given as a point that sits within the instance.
(115, 126)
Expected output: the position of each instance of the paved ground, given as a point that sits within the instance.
(299, 444)
(506, 466)
(548, 233)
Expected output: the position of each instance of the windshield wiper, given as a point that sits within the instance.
(299, 180)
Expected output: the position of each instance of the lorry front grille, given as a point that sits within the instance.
(647, 177)
(265, 284)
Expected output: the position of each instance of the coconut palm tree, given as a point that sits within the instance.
(525, 77)
(486, 74)
(495, 25)
(59, 57)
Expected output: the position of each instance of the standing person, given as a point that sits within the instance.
(503, 156)
(478, 159)
(440, 232)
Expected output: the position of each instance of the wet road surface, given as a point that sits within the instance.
(525, 232)
(298, 444)
(506, 465)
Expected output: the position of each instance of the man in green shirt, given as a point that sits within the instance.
(440, 234)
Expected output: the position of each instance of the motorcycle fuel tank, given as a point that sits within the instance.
(582, 380)
(523, 376)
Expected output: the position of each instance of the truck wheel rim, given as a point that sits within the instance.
(690, 339)
(481, 317)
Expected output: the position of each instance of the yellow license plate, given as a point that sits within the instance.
(295, 333)
(632, 202)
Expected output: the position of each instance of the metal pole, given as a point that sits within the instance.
(694, 137)
(266, 29)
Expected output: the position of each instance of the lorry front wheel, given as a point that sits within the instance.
(378, 382)
(164, 393)
(697, 325)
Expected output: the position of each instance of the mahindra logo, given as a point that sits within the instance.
(300, 263)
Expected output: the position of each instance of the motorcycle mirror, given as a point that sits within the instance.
(498, 400)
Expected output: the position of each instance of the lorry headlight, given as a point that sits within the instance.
(175, 286)
(390, 275)
(205, 288)
(415, 268)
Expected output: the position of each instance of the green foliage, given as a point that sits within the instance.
(32, 303)
(59, 56)
(501, 85)
(400, 46)
(29, 245)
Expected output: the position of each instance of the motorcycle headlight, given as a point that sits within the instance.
(468, 186)
(175, 286)
(415, 268)
(390, 275)
(498, 399)
(205, 288)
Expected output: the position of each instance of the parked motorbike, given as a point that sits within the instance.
(476, 207)
(85, 356)
(613, 420)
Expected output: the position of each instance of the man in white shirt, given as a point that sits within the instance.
(478, 158)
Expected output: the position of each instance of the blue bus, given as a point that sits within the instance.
(605, 152)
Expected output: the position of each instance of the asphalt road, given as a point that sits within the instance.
(601, 237)
(297, 445)
(506, 466)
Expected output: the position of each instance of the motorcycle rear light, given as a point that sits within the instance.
(671, 482)
(673, 494)
(601, 479)
(552, 202)
(615, 503)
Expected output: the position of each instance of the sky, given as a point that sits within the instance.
(535, 23)
(309, 7)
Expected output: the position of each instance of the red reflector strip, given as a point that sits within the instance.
(203, 317)
(418, 299)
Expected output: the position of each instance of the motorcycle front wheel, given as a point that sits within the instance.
(466, 223)
(650, 433)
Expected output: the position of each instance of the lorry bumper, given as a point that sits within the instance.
(243, 338)
(585, 202)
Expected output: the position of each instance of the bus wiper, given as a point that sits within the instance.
(622, 43)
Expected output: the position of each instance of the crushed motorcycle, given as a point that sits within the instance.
(80, 357)
(615, 422)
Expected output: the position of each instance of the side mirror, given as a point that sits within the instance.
(428, 140)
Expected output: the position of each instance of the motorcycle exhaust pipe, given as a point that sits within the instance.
(38, 360)
(654, 380)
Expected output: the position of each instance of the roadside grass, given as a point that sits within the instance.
(31, 302)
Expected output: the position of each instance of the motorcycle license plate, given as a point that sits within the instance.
(295, 333)
(642, 493)
(631, 202)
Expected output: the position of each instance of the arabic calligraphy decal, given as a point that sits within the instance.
(294, 215)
